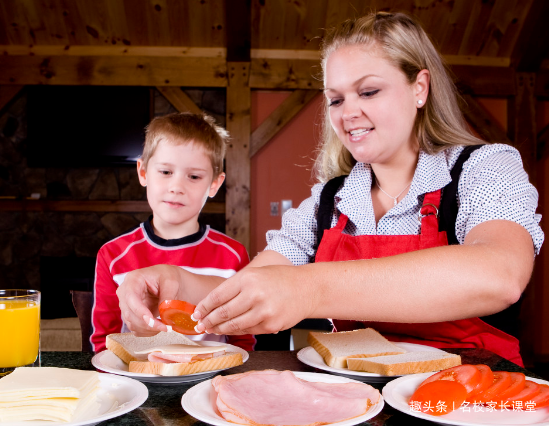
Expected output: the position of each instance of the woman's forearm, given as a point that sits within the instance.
(481, 277)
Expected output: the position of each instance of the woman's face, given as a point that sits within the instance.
(371, 105)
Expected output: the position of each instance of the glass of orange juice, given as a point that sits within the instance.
(19, 329)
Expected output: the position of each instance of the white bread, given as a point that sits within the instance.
(335, 348)
(408, 363)
(230, 359)
(125, 345)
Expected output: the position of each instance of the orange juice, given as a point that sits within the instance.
(19, 332)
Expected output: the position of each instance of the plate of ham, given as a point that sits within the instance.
(271, 397)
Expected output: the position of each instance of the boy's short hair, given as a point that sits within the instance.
(183, 127)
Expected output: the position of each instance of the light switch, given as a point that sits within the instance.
(286, 205)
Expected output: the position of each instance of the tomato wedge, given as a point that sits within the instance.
(177, 313)
(468, 375)
(439, 397)
(542, 398)
(530, 390)
(502, 380)
(486, 380)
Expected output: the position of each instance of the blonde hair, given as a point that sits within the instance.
(439, 123)
(183, 127)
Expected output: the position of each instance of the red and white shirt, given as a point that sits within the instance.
(208, 252)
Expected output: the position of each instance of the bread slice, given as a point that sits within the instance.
(125, 345)
(335, 348)
(230, 359)
(408, 363)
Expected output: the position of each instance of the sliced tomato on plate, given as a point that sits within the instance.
(177, 314)
(542, 398)
(486, 380)
(517, 384)
(502, 380)
(530, 390)
(468, 375)
(438, 397)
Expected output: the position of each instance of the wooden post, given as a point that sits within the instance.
(237, 200)
(524, 126)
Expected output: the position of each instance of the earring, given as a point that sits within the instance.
(419, 102)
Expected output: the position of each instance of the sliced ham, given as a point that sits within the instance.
(171, 358)
(279, 398)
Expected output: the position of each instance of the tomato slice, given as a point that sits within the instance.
(502, 380)
(542, 398)
(517, 384)
(177, 313)
(438, 397)
(468, 375)
(486, 380)
(530, 390)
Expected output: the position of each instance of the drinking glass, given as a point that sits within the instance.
(19, 329)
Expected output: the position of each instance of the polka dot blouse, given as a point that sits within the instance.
(493, 185)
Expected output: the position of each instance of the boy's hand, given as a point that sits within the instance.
(141, 293)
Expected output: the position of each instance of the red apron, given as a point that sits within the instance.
(465, 333)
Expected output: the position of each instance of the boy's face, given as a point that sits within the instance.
(179, 180)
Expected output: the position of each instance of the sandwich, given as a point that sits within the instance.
(336, 348)
(170, 354)
(408, 363)
(179, 360)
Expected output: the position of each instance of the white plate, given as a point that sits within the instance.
(312, 358)
(118, 395)
(398, 392)
(109, 362)
(199, 401)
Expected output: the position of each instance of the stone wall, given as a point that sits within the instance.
(26, 237)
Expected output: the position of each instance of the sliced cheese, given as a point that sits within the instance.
(48, 393)
(184, 349)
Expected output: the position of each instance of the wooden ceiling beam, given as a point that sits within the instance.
(279, 118)
(114, 70)
(179, 99)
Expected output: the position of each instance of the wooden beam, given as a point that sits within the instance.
(91, 206)
(485, 81)
(7, 95)
(483, 122)
(237, 199)
(179, 99)
(166, 51)
(285, 74)
(114, 70)
(525, 134)
(279, 118)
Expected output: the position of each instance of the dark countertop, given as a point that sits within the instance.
(163, 407)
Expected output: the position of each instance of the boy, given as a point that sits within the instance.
(181, 166)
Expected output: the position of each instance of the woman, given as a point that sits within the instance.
(393, 126)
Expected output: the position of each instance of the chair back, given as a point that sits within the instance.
(83, 304)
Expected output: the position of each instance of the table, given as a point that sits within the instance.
(163, 407)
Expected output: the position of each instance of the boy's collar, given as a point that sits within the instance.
(189, 239)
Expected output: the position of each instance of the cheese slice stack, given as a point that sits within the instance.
(48, 393)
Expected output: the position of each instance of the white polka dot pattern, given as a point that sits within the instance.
(493, 185)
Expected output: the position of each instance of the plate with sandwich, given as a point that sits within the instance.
(167, 357)
(367, 356)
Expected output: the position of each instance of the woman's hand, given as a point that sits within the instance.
(142, 291)
(257, 300)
